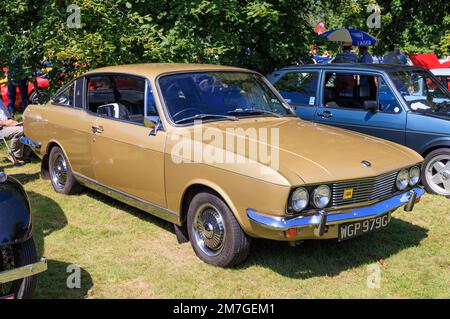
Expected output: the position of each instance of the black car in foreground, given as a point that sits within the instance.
(18, 259)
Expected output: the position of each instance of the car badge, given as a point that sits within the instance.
(366, 163)
(348, 193)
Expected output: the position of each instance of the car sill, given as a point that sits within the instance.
(129, 199)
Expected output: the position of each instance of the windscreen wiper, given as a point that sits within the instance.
(253, 112)
(206, 116)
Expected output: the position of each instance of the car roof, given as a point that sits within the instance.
(353, 66)
(152, 70)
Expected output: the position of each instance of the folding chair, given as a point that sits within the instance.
(10, 153)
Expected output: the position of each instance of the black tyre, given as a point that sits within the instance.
(15, 256)
(61, 175)
(436, 172)
(35, 98)
(215, 235)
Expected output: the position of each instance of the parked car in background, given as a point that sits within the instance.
(443, 75)
(33, 96)
(132, 132)
(404, 104)
(18, 260)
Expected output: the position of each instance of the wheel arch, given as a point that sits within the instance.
(434, 145)
(198, 186)
(45, 165)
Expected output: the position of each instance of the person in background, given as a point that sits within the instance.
(393, 56)
(11, 130)
(403, 58)
(313, 53)
(14, 82)
(365, 56)
(346, 56)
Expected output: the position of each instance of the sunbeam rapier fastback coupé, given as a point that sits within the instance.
(179, 141)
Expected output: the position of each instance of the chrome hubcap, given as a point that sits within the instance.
(437, 174)
(209, 229)
(59, 172)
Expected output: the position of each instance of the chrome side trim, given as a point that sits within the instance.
(131, 200)
(23, 272)
(283, 223)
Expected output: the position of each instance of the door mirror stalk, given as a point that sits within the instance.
(371, 106)
(154, 123)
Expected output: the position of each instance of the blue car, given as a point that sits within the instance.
(403, 104)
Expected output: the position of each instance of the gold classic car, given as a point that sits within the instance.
(217, 151)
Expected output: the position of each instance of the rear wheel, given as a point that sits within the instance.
(61, 175)
(14, 256)
(215, 235)
(436, 172)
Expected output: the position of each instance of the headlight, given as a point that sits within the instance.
(414, 175)
(321, 196)
(402, 179)
(299, 199)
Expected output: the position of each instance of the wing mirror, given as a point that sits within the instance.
(154, 123)
(371, 106)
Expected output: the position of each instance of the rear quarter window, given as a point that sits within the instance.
(299, 87)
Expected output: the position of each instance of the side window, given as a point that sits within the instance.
(66, 96)
(299, 87)
(349, 90)
(387, 100)
(117, 96)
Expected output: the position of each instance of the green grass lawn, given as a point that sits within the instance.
(126, 253)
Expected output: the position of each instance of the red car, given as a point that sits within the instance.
(42, 83)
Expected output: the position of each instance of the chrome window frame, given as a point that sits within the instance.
(85, 96)
(61, 90)
(263, 79)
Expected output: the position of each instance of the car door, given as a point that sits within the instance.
(127, 158)
(342, 104)
(70, 127)
(300, 89)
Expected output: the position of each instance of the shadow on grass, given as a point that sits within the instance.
(53, 283)
(317, 258)
(313, 258)
(47, 218)
(25, 178)
(147, 217)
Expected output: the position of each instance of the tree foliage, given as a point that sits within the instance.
(258, 34)
(416, 26)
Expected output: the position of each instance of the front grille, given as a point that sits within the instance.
(364, 190)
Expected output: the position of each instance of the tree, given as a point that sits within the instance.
(257, 34)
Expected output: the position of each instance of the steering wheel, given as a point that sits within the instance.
(186, 110)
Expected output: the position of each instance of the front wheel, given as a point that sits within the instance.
(215, 235)
(436, 172)
(14, 256)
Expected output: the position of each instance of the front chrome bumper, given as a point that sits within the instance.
(23, 272)
(322, 219)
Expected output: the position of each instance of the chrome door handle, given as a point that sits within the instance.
(96, 129)
(325, 114)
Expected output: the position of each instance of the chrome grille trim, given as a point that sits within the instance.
(364, 190)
